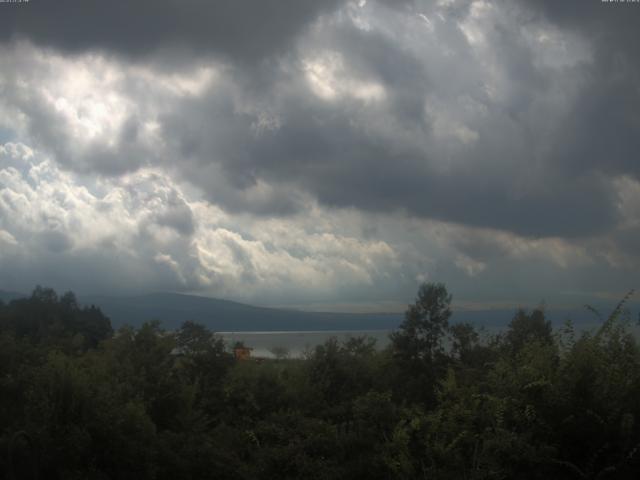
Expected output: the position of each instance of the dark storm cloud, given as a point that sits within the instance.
(374, 56)
(328, 149)
(345, 167)
(177, 215)
(610, 24)
(241, 29)
(527, 164)
(602, 129)
(321, 151)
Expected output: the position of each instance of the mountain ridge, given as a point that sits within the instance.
(172, 309)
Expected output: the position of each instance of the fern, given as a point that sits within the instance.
(614, 314)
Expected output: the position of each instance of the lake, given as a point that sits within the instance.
(297, 343)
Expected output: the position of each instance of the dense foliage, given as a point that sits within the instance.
(441, 402)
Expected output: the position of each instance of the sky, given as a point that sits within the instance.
(322, 154)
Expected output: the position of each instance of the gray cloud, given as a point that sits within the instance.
(601, 129)
(241, 29)
(510, 129)
(524, 164)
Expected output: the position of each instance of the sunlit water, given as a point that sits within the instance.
(297, 343)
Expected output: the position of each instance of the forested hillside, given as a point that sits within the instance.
(80, 401)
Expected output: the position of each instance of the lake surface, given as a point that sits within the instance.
(297, 343)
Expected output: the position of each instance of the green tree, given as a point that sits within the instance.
(526, 328)
(417, 345)
(204, 361)
(426, 322)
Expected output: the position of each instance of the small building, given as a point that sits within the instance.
(240, 352)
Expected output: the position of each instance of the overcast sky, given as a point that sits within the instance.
(325, 154)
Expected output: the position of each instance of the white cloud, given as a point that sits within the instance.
(470, 266)
(329, 79)
(385, 147)
(131, 217)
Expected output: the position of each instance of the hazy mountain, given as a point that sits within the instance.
(8, 296)
(173, 309)
(224, 315)
(227, 316)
